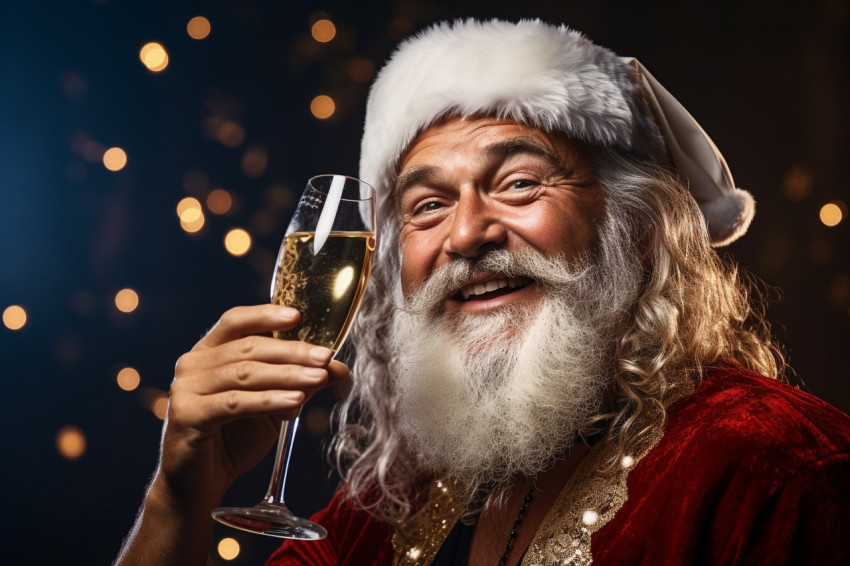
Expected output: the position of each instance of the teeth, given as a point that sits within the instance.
(493, 285)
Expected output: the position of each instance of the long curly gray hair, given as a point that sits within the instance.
(694, 310)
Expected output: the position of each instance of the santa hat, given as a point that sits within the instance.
(551, 78)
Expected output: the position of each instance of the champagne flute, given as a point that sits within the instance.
(322, 270)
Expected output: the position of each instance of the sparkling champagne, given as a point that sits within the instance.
(325, 287)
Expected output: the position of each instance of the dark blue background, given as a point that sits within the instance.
(768, 80)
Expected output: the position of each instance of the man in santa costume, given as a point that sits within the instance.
(553, 365)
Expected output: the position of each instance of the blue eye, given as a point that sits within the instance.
(430, 206)
(522, 184)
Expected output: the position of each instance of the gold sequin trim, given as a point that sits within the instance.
(418, 540)
(588, 501)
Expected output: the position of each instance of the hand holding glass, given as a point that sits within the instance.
(322, 270)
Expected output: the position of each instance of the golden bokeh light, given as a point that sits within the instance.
(797, 183)
(14, 317)
(128, 379)
(126, 300)
(189, 209)
(153, 56)
(230, 134)
(219, 201)
(361, 69)
(198, 27)
(70, 442)
(159, 407)
(114, 159)
(322, 107)
(194, 225)
(237, 242)
(323, 31)
(831, 214)
(255, 160)
(228, 548)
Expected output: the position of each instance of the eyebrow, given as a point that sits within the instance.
(523, 144)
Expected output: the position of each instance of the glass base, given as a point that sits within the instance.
(269, 519)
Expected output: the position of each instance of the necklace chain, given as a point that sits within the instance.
(517, 522)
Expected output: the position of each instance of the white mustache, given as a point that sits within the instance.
(518, 266)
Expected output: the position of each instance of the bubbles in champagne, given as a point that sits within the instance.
(325, 287)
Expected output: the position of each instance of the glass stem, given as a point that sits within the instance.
(274, 495)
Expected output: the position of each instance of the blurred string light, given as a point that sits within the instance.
(70, 442)
(126, 300)
(219, 201)
(322, 107)
(154, 400)
(14, 317)
(361, 69)
(159, 407)
(191, 215)
(323, 30)
(254, 161)
(228, 548)
(832, 213)
(153, 56)
(128, 379)
(230, 134)
(797, 183)
(114, 159)
(198, 27)
(237, 242)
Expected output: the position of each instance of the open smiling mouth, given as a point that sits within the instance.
(493, 288)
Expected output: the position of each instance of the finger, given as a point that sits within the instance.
(239, 322)
(258, 376)
(253, 348)
(337, 372)
(220, 408)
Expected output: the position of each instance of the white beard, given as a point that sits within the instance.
(487, 397)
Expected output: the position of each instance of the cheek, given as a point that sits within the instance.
(416, 260)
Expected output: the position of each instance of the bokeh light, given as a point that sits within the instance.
(198, 27)
(128, 379)
(153, 56)
(193, 226)
(831, 214)
(114, 159)
(230, 134)
(797, 183)
(14, 317)
(126, 300)
(237, 242)
(322, 107)
(219, 201)
(323, 31)
(255, 160)
(70, 442)
(189, 209)
(159, 407)
(361, 69)
(228, 548)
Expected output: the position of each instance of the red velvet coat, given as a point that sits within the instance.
(749, 471)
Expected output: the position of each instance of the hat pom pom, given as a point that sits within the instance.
(728, 216)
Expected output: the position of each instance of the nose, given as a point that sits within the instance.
(475, 227)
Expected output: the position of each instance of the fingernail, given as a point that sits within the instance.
(288, 313)
(314, 372)
(320, 355)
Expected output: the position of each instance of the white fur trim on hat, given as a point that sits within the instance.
(549, 77)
